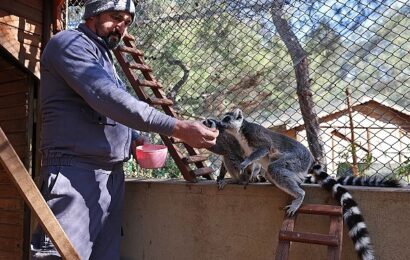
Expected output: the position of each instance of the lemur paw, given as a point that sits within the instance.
(221, 184)
(244, 180)
(291, 209)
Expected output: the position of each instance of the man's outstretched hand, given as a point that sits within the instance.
(195, 134)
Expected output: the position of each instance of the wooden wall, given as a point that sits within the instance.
(16, 86)
(21, 37)
(21, 30)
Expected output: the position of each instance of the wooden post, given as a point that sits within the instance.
(32, 196)
(355, 169)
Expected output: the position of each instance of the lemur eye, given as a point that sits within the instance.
(226, 119)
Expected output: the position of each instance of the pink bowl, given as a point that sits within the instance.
(151, 156)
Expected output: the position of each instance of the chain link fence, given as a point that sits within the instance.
(213, 55)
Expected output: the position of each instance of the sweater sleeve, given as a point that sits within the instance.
(74, 58)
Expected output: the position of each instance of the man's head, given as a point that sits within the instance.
(109, 19)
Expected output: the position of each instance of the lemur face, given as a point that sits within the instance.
(232, 121)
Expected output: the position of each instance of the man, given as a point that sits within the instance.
(87, 117)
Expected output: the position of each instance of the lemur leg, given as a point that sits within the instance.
(252, 159)
(288, 182)
(256, 169)
(228, 165)
(220, 180)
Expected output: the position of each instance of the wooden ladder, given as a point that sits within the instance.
(32, 196)
(191, 156)
(333, 240)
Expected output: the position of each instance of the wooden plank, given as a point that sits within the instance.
(17, 138)
(331, 210)
(21, 10)
(11, 113)
(25, 53)
(13, 87)
(10, 245)
(22, 44)
(5, 65)
(3, 176)
(21, 150)
(19, 35)
(35, 4)
(336, 229)
(7, 19)
(16, 125)
(12, 75)
(13, 100)
(11, 217)
(11, 231)
(283, 247)
(34, 199)
(7, 255)
(13, 204)
(312, 238)
(4, 179)
(8, 191)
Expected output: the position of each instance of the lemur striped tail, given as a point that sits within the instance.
(373, 181)
(370, 181)
(351, 213)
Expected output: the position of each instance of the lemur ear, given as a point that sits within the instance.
(238, 113)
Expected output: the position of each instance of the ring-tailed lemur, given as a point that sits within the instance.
(289, 167)
(232, 155)
(291, 164)
(229, 148)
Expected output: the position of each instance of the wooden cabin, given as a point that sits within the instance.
(24, 28)
(380, 129)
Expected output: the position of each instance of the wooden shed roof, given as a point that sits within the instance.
(373, 108)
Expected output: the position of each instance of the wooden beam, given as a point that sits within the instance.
(344, 137)
(32, 196)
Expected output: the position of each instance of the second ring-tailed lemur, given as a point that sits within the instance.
(232, 156)
(289, 167)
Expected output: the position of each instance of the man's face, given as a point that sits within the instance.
(111, 27)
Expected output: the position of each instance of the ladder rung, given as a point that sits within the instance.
(161, 101)
(317, 209)
(131, 50)
(149, 83)
(311, 238)
(202, 171)
(194, 158)
(129, 37)
(138, 66)
(176, 140)
(158, 98)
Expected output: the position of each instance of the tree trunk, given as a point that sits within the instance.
(301, 66)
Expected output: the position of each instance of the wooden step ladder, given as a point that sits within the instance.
(139, 84)
(333, 240)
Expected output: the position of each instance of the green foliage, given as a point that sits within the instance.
(169, 171)
(345, 168)
(404, 169)
(236, 58)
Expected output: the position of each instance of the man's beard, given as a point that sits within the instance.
(112, 39)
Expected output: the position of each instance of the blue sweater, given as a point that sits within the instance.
(86, 110)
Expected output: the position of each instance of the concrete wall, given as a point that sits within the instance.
(179, 220)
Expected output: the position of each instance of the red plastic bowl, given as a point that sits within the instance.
(151, 156)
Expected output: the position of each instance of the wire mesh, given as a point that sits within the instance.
(214, 55)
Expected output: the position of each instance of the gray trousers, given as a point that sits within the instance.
(87, 201)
